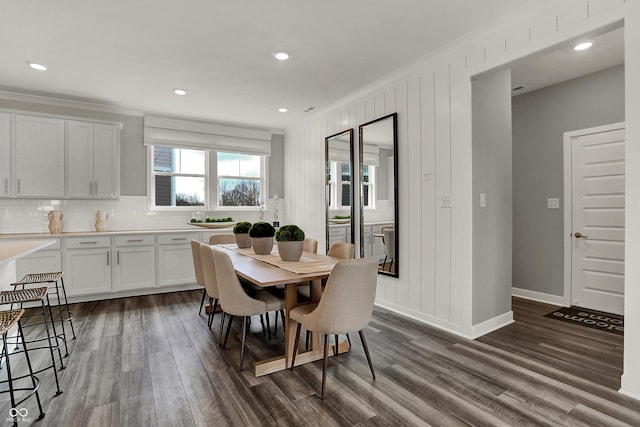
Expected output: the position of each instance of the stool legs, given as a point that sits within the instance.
(53, 359)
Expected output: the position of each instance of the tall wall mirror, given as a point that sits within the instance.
(339, 188)
(378, 166)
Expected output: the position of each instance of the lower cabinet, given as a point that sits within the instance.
(87, 265)
(135, 262)
(175, 262)
(45, 260)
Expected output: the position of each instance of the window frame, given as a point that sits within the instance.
(215, 190)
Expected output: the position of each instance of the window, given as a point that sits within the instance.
(239, 179)
(178, 177)
(182, 178)
(340, 197)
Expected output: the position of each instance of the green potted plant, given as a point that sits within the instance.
(241, 232)
(290, 240)
(261, 234)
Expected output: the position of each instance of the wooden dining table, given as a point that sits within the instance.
(267, 271)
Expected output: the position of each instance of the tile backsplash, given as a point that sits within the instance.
(126, 213)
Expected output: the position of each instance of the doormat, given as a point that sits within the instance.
(590, 318)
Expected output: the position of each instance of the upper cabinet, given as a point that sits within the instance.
(45, 157)
(5, 155)
(92, 160)
(39, 157)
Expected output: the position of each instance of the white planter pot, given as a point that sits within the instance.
(262, 245)
(290, 251)
(243, 240)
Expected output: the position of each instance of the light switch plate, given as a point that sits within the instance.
(553, 203)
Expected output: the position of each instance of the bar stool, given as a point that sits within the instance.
(54, 278)
(7, 320)
(35, 295)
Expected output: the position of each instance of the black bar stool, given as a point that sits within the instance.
(7, 320)
(54, 278)
(36, 295)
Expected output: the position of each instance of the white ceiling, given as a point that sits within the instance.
(133, 53)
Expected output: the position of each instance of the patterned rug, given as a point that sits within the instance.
(590, 318)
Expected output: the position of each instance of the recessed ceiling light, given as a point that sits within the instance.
(583, 45)
(282, 110)
(281, 56)
(38, 67)
(180, 91)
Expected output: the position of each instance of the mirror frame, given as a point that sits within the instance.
(395, 185)
(328, 185)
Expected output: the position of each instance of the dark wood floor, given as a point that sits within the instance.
(152, 361)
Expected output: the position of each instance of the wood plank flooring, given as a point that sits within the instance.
(152, 361)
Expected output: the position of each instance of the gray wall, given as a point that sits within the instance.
(539, 120)
(491, 127)
(133, 153)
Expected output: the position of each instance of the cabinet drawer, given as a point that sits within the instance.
(135, 240)
(172, 239)
(88, 242)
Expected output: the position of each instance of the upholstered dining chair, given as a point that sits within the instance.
(346, 306)
(389, 247)
(342, 250)
(210, 280)
(197, 266)
(308, 245)
(221, 239)
(235, 301)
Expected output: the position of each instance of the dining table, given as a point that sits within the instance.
(268, 271)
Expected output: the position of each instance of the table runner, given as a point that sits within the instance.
(304, 266)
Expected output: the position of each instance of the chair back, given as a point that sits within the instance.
(390, 242)
(197, 262)
(347, 300)
(342, 250)
(384, 227)
(310, 245)
(208, 270)
(233, 298)
(221, 239)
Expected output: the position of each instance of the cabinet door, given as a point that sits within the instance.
(87, 271)
(5, 155)
(135, 267)
(79, 147)
(40, 159)
(106, 160)
(39, 262)
(175, 265)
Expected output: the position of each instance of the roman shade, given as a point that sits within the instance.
(339, 152)
(371, 155)
(192, 134)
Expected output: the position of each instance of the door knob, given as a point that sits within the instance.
(580, 235)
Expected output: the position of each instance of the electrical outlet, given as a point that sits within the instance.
(553, 203)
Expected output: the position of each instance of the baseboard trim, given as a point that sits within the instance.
(538, 296)
(132, 293)
(491, 325)
(626, 392)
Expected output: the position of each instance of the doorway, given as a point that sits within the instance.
(594, 180)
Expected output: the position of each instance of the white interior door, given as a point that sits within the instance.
(597, 217)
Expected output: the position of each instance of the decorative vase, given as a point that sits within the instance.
(262, 245)
(101, 221)
(290, 251)
(55, 221)
(243, 240)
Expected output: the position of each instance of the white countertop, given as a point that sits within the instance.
(10, 251)
(104, 233)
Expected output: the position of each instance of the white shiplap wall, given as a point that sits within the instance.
(433, 102)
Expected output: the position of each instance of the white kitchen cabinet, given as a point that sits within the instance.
(175, 261)
(5, 155)
(135, 262)
(39, 157)
(45, 260)
(92, 151)
(87, 265)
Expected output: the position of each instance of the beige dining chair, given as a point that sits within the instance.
(235, 301)
(210, 279)
(222, 239)
(197, 266)
(346, 306)
(304, 289)
(389, 240)
(342, 250)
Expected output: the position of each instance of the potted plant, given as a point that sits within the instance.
(290, 240)
(261, 234)
(241, 232)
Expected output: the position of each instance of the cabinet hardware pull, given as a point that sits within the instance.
(134, 240)
(179, 238)
(107, 257)
(88, 243)
(118, 257)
